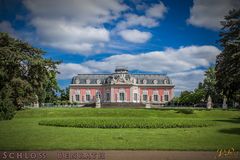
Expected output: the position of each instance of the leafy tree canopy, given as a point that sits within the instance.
(24, 73)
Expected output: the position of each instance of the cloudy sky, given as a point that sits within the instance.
(93, 36)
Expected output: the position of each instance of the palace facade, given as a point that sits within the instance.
(121, 86)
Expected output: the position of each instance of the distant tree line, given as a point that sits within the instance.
(199, 96)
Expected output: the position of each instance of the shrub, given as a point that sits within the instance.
(126, 123)
(186, 111)
(7, 109)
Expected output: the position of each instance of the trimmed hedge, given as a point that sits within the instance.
(127, 123)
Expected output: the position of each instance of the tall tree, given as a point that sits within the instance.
(24, 70)
(210, 85)
(52, 88)
(64, 94)
(228, 62)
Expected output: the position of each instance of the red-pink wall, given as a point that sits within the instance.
(116, 91)
(127, 92)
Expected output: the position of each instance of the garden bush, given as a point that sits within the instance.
(126, 123)
(7, 108)
(186, 111)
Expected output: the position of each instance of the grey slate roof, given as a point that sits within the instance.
(82, 78)
(92, 77)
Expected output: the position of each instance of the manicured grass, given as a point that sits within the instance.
(25, 133)
(103, 122)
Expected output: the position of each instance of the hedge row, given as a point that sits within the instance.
(127, 123)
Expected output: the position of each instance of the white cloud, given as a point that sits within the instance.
(85, 48)
(69, 32)
(135, 36)
(68, 70)
(77, 26)
(74, 25)
(136, 20)
(180, 64)
(69, 37)
(208, 14)
(157, 10)
(84, 12)
(6, 26)
(187, 80)
(150, 19)
(170, 60)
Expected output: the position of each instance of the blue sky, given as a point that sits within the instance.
(93, 36)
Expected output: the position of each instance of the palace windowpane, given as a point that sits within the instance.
(108, 96)
(144, 97)
(77, 97)
(87, 97)
(121, 96)
(166, 97)
(155, 97)
(135, 96)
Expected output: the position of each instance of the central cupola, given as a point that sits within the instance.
(121, 69)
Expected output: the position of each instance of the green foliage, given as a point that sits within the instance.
(193, 97)
(101, 122)
(64, 94)
(30, 77)
(227, 63)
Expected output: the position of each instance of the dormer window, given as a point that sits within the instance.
(155, 81)
(88, 81)
(144, 81)
(77, 81)
(165, 81)
(98, 81)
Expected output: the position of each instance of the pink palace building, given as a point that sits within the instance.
(121, 86)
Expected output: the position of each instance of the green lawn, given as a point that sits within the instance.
(25, 133)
